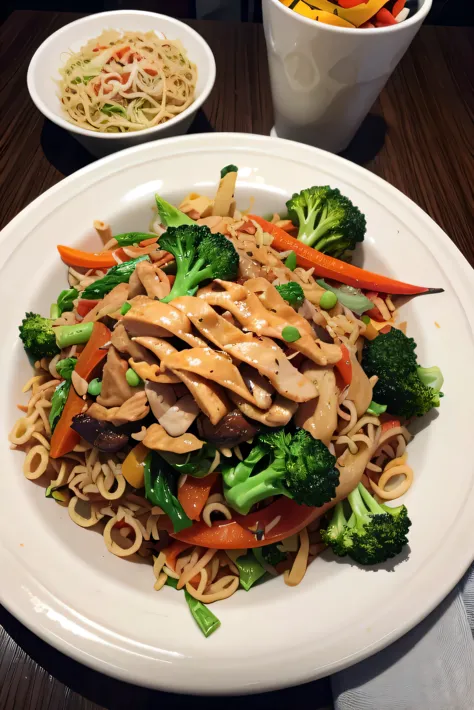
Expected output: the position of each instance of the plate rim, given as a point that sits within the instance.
(458, 562)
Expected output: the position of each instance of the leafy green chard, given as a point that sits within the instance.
(128, 239)
(250, 570)
(65, 368)
(196, 463)
(158, 480)
(116, 275)
(350, 297)
(110, 109)
(170, 215)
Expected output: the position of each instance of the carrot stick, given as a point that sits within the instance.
(64, 438)
(194, 493)
(329, 268)
(88, 260)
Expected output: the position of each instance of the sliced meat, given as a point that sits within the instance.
(159, 348)
(210, 324)
(112, 302)
(160, 398)
(135, 286)
(210, 398)
(179, 417)
(115, 388)
(232, 430)
(154, 280)
(211, 365)
(360, 389)
(279, 413)
(258, 386)
(319, 416)
(157, 319)
(157, 439)
(127, 346)
(132, 410)
(272, 363)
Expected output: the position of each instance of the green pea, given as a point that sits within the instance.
(328, 300)
(365, 319)
(290, 261)
(290, 334)
(132, 378)
(125, 308)
(95, 387)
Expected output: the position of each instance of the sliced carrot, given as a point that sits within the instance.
(150, 71)
(398, 6)
(328, 267)
(385, 17)
(120, 52)
(194, 493)
(64, 438)
(347, 4)
(125, 77)
(390, 424)
(85, 259)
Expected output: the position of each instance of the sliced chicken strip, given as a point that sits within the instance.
(360, 390)
(154, 280)
(210, 324)
(160, 398)
(157, 439)
(212, 365)
(127, 346)
(115, 388)
(279, 414)
(135, 286)
(319, 416)
(153, 317)
(271, 299)
(258, 386)
(179, 417)
(109, 304)
(159, 348)
(253, 316)
(132, 410)
(271, 362)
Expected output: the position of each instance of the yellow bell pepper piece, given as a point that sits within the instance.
(355, 15)
(305, 10)
(330, 18)
(133, 466)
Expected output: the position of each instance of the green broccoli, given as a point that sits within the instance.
(374, 533)
(171, 216)
(200, 255)
(272, 555)
(326, 220)
(293, 465)
(40, 339)
(292, 292)
(407, 389)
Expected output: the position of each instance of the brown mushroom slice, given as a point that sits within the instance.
(279, 414)
(109, 304)
(179, 417)
(158, 439)
(209, 323)
(259, 386)
(155, 318)
(132, 410)
(115, 388)
(125, 345)
(160, 398)
(319, 416)
(232, 430)
(271, 362)
(211, 365)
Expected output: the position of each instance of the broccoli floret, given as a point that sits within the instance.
(171, 216)
(407, 389)
(42, 340)
(200, 255)
(326, 220)
(272, 555)
(293, 465)
(292, 292)
(374, 533)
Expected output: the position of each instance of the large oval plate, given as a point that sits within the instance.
(59, 579)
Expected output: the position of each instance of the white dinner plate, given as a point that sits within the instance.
(61, 581)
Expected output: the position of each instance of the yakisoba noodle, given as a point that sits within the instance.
(96, 484)
(119, 83)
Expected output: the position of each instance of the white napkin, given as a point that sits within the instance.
(430, 668)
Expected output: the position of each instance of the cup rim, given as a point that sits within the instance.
(419, 16)
(71, 127)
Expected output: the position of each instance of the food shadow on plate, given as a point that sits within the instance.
(117, 695)
(368, 141)
(67, 155)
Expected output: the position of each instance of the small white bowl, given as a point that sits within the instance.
(43, 73)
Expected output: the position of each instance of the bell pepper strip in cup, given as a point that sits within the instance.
(347, 13)
(327, 267)
(64, 439)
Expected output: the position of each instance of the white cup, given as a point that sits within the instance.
(324, 79)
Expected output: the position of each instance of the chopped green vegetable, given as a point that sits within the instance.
(290, 334)
(128, 239)
(54, 312)
(67, 335)
(350, 297)
(158, 479)
(196, 463)
(58, 401)
(110, 109)
(328, 300)
(229, 169)
(170, 216)
(56, 492)
(292, 292)
(250, 570)
(95, 387)
(66, 300)
(205, 619)
(132, 378)
(42, 340)
(271, 554)
(125, 308)
(65, 367)
(290, 261)
(116, 275)
(200, 256)
(365, 319)
(376, 409)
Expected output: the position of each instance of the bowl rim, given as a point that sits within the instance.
(418, 17)
(68, 126)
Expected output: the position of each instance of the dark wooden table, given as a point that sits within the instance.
(418, 137)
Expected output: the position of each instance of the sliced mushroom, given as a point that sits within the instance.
(160, 398)
(178, 418)
(101, 434)
(232, 430)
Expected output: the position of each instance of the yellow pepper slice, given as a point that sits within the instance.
(355, 15)
(133, 466)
